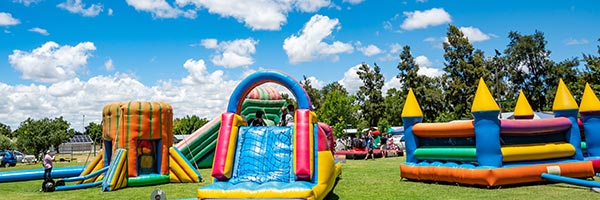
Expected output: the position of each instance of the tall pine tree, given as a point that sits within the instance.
(369, 95)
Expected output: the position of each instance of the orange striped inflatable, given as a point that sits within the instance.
(125, 123)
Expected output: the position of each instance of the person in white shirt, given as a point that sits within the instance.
(48, 165)
(289, 117)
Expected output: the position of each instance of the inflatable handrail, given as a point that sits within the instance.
(94, 174)
(534, 126)
(444, 130)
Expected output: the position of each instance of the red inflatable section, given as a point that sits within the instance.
(596, 165)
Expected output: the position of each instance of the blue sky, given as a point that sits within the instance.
(69, 58)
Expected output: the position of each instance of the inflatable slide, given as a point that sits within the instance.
(272, 162)
(199, 147)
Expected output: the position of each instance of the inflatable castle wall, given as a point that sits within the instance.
(488, 151)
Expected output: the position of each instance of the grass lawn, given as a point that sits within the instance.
(379, 179)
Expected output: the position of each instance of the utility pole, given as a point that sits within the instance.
(497, 82)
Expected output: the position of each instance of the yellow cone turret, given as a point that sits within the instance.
(523, 108)
(484, 101)
(589, 101)
(563, 99)
(411, 106)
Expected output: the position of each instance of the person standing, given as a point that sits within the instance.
(289, 117)
(258, 121)
(284, 113)
(47, 161)
(383, 145)
(370, 146)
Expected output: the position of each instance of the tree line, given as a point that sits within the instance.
(523, 65)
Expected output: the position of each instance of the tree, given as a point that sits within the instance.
(94, 131)
(427, 90)
(60, 131)
(527, 60)
(464, 66)
(567, 70)
(5, 130)
(337, 110)
(187, 125)
(591, 71)
(288, 100)
(6, 143)
(394, 102)
(313, 93)
(335, 86)
(369, 95)
(36, 136)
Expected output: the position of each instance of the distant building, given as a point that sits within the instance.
(76, 144)
(179, 138)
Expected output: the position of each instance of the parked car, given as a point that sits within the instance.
(7, 159)
(25, 158)
(399, 141)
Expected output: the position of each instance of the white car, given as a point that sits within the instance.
(399, 141)
(24, 158)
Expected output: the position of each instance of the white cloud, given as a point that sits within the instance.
(425, 67)
(423, 61)
(421, 1)
(51, 62)
(39, 30)
(108, 65)
(316, 83)
(27, 2)
(437, 43)
(394, 82)
(395, 48)
(351, 81)
(75, 6)
(73, 98)
(474, 34)
(257, 14)
(110, 12)
(369, 50)
(353, 2)
(424, 19)
(232, 54)
(392, 53)
(573, 41)
(6, 19)
(309, 45)
(311, 5)
(431, 72)
(160, 9)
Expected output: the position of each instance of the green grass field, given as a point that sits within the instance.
(378, 179)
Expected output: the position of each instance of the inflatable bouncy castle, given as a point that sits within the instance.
(276, 162)
(137, 150)
(488, 151)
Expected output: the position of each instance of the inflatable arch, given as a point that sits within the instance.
(256, 79)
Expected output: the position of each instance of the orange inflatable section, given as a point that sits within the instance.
(110, 120)
(444, 130)
(145, 121)
(495, 176)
